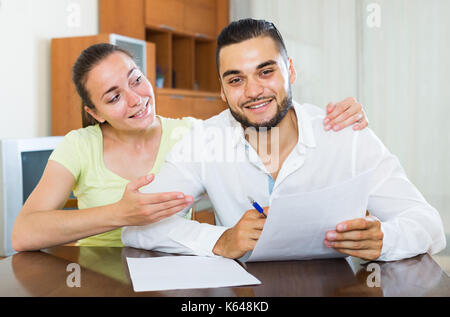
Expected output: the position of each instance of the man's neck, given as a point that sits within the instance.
(274, 145)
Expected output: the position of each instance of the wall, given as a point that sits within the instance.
(404, 84)
(26, 27)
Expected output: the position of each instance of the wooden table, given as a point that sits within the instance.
(104, 272)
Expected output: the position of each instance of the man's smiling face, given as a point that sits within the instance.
(256, 81)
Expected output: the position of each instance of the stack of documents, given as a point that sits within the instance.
(183, 272)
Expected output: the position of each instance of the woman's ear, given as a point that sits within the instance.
(93, 113)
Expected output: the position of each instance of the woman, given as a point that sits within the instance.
(104, 162)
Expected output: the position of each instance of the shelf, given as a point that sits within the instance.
(183, 62)
(186, 92)
(163, 43)
(188, 62)
(162, 27)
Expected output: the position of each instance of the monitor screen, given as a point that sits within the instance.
(22, 163)
(33, 165)
(136, 50)
(136, 47)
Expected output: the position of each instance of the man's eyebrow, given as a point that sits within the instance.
(268, 63)
(230, 72)
(237, 72)
(115, 87)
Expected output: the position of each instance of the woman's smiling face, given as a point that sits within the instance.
(122, 95)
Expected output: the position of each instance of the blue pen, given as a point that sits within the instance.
(257, 206)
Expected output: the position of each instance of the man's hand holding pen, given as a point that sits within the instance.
(241, 238)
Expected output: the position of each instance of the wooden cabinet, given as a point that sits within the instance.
(198, 17)
(66, 104)
(183, 103)
(166, 14)
(131, 21)
(207, 106)
(174, 105)
(184, 33)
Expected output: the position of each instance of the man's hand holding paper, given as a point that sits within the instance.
(361, 237)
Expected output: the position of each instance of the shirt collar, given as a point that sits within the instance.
(304, 124)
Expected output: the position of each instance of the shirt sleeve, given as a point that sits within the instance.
(67, 154)
(181, 172)
(410, 225)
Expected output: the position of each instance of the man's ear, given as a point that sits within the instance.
(292, 71)
(93, 113)
(222, 94)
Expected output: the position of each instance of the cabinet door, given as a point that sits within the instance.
(206, 107)
(66, 104)
(200, 17)
(174, 106)
(124, 17)
(165, 14)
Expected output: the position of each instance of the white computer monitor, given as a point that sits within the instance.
(136, 47)
(22, 162)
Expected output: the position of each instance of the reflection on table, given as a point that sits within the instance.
(104, 272)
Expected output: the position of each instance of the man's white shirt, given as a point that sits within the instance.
(214, 157)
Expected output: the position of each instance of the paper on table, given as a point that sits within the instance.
(296, 224)
(182, 272)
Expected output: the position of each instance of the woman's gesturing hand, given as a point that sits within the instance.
(138, 209)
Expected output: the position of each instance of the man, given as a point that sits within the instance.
(297, 155)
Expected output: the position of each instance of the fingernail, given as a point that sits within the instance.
(331, 235)
(342, 227)
(328, 127)
(189, 199)
(326, 120)
(328, 243)
(336, 127)
(180, 196)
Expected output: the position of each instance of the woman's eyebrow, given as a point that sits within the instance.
(115, 87)
(131, 71)
(109, 90)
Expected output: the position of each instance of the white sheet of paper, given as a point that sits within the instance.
(296, 224)
(184, 272)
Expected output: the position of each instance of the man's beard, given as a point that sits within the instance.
(282, 110)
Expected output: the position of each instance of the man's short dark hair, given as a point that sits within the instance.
(246, 29)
